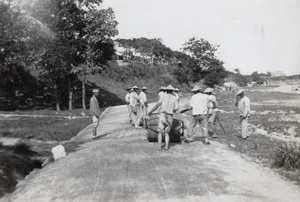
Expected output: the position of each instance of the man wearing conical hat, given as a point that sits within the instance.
(169, 105)
(135, 107)
(212, 111)
(243, 103)
(198, 104)
(144, 104)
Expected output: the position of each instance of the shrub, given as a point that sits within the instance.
(288, 156)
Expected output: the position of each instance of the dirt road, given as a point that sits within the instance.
(122, 166)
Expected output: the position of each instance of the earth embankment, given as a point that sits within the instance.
(121, 165)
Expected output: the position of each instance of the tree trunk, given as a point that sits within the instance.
(83, 91)
(57, 98)
(70, 94)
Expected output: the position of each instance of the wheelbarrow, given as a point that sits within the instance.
(177, 129)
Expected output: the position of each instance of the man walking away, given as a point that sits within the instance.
(135, 107)
(95, 111)
(127, 100)
(144, 104)
(243, 103)
(198, 104)
(169, 105)
(212, 111)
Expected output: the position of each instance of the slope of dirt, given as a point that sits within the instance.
(122, 166)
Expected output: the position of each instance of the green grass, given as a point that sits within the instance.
(58, 126)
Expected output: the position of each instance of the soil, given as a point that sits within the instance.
(121, 165)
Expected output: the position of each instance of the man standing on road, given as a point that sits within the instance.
(212, 111)
(127, 100)
(169, 105)
(198, 104)
(95, 111)
(176, 94)
(243, 103)
(144, 104)
(135, 107)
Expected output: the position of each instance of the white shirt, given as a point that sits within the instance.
(134, 99)
(168, 103)
(244, 106)
(143, 98)
(210, 105)
(160, 94)
(127, 98)
(199, 103)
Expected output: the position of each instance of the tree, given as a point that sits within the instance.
(255, 76)
(78, 27)
(18, 34)
(237, 70)
(100, 27)
(202, 62)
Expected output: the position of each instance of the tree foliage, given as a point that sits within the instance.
(17, 34)
(203, 63)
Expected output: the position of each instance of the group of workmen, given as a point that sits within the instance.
(203, 104)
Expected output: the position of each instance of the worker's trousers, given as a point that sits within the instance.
(200, 119)
(244, 126)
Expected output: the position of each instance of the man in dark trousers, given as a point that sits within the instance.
(95, 111)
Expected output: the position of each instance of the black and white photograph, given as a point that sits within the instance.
(149, 100)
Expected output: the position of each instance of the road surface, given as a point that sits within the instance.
(121, 165)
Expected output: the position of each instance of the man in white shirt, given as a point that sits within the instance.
(198, 104)
(212, 111)
(169, 105)
(243, 103)
(135, 107)
(144, 104)
(127, 100)
(176, 94)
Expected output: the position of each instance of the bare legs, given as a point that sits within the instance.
(167, 140)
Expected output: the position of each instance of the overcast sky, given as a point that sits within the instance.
(254, 35)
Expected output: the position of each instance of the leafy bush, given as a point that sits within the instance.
(288, 156)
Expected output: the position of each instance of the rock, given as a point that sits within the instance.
(58, 152)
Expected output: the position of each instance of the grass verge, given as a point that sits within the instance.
(266, 149)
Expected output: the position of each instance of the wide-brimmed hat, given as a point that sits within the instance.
(176, 89)
(169, 87)
(128, 88)
(135, 87)
(240, 91)
(196, 88)
(144, 88)
(209, 90)
(162, 88)
(95, 90)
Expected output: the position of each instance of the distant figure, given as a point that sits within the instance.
(127, 100)
(161, 93)
(135, 107)
(169, 105)
(95, 111)
(243, 103)
(144, 104)
(198, 104)
(176, 94)
(212, 111)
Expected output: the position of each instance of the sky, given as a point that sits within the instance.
(253, 35)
